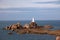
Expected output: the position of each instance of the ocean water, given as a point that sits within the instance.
(5, 36)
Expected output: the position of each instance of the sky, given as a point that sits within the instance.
(27, 9)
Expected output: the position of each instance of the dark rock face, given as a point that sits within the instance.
(33, 25)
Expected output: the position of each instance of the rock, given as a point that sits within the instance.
(26, 26)
(39, 27)
(19, 26)
(58, 38)
(48, 26)
(33, 25)
(10, 33)
(14, 26)
(8, 28)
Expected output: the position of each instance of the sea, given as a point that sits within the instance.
(5, 36)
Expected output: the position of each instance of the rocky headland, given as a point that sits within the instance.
(32, 28)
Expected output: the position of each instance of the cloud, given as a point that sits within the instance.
(52, 2)
(13, 11)
(43, 0)
(28, 3)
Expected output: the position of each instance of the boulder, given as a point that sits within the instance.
(8, 28)
(26, 26)
(58, 38)
(14, 26)
(19, 26)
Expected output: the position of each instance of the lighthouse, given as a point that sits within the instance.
(33, 24)
(33, 20)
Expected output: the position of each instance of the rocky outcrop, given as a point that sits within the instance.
(39, 31)
(48, 26)
(33, 25)
(33, 28)
(57, 37)
(14, 27)
(26, 26)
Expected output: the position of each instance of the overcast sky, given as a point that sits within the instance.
(26, 9)
(29, 3)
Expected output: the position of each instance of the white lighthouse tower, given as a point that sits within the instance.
(33, 20)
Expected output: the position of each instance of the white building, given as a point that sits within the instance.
(33, 20)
